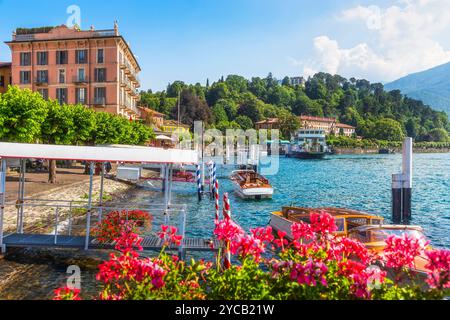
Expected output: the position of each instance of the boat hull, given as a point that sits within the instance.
(279, 223)
(254, 193)
(308, 155)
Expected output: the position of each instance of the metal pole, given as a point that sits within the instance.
(102, 178)
(169, 202)
(166, 191)
(2, 201)
(70, 218)
(88, 219)
(19, 195)
(407, 178)
(56, 224)
(181, 250)
(22, 195)
(397, 181)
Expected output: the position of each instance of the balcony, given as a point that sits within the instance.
(100, 101)
(41, 81)
(80, 80)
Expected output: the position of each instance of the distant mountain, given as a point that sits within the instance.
(431, 86)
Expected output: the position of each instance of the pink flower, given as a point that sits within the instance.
(322, 223)
(401, 251)
(302, 231)
(263, 234)
(310, 273)
(169, 235)
(248, 245)
(226, 230)
(281, 242)
(438, 267)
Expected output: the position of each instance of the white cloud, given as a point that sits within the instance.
(404, 41)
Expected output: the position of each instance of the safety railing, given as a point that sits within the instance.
(77, 218)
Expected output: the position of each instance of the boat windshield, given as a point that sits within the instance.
(380, 235)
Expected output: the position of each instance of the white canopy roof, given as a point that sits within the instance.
(161, 137)
(100, 154)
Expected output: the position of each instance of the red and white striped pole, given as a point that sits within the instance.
(226, 206)
(216, 197)
(227, 216)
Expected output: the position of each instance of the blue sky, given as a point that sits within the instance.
(199, 39)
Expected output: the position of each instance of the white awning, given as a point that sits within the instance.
(129, 154)
(161, 137)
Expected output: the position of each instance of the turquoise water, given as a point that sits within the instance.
(361, 182)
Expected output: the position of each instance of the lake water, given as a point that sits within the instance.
(361, 182)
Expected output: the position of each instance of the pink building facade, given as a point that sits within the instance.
(95, 68)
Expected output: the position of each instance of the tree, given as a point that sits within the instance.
(193, 109)
(22, 113)
(288, 125)
(387, 129)
(438, 135)
(244, 122)
(219, 113)
(58, 128)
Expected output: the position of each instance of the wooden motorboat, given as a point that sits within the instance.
(374, 238)
(346, 219)
(251, 185)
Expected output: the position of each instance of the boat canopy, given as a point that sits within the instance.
(128, 154)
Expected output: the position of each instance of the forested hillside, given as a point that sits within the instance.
(237, 102)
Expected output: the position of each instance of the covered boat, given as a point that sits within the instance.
(251, 185)
(346, 219)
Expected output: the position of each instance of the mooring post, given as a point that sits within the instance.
(397, 184)
(88, 218)
(2, 200)
(199, 183)
(407, 178)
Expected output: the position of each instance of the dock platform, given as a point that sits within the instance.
(148, 243)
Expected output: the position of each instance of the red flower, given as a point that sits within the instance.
(310, 273)
(438, 267)
(169, 235)
(66, 293)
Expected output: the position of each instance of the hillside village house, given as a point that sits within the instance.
(5, 76)
(92, 67)
(329, 125)
(152, 117)
(268, 124)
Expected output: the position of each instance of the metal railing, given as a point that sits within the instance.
(76, 218)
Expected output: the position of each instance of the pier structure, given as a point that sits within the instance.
(71, 221)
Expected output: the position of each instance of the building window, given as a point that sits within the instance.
(81, 56)
(61, 95)
(62, 76)
(25, 58)
(43, 93)
(100, 57)
(42, 76)
(25, 77)
(42, 58)
(2, 81)
(81, 75)
(81, 95)
(61, 57)
(100, 75)
(100, 96)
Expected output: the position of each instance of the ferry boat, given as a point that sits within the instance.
(251, 185)
(345, 219)
(309, 144)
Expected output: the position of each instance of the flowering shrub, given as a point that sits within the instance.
(112, 225)
(315, 265)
